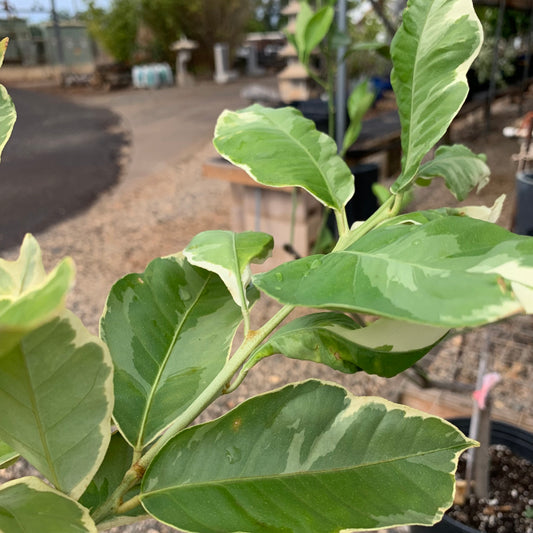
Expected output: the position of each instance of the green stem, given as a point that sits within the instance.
(210, 393)
(129, 505)
(244, 309)
(213, 390)
(389, 209)
(131, 478)
(342, 222)
(294, 207)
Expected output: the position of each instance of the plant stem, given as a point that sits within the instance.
(294, 207)
(210, 393)
(129, 505)
(131, 477)
(389, 209)
(342, 222)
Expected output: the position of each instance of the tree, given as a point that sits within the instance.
(268, 13)
(116, 29)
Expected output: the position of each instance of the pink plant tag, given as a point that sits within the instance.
(489, 380)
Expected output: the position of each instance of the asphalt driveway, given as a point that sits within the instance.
(60, 158)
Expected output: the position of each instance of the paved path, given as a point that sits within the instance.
(66, 146)
(61, 156)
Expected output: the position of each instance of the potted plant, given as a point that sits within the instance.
(497, 476)
(109, 421)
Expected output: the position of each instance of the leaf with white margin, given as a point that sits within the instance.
(56, 393)
(482, 212)
(461, 169)
(28, 296)
(8, 114)
(307, 457)
(169, 331)
(281, 148)
(453, 271)
(431, 54)
(385, 347)
(7, 455)
(229, 255)
(29, 505)
(3, 48)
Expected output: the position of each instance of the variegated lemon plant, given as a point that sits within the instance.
(110, 422)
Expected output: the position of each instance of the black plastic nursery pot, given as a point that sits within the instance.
(519, 441)
(364, 202)
(523, 223)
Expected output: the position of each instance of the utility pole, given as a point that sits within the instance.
(340, 92)
(57, 34)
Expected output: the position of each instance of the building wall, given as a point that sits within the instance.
(77, 49)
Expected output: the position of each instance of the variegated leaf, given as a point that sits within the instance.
(461, 169)
(281, 148)
(431, 54)
(453, 271)
(384, 347)
(229, 255)
(28, 296)
(169, 331)
(7, 455)
(29, 505)
(56, 396)
(8, 115)
(308, 457)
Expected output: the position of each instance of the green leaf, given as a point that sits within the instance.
(302, 20)
(116, 463)
(29, 297)
(3, 47)
(358, 104)
(431, 53)
(281, 148)
(7, 455)
(28, 505)
(384, 347)
(229, 255)
(461, 169)
(382, 49)
(56, 396)
(308, 457)
(316, 29)
(169, 331)
(452, 271)
(8, 115)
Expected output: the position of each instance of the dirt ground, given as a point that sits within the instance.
(162, 200)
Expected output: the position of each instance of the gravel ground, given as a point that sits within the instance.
(157, 213)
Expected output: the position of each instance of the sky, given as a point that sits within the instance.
(39, 10)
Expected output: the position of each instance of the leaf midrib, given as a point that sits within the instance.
(309, 154)
(414, 77)
(208, 483)
(314, 161)
(148, 406)
(40, 428)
